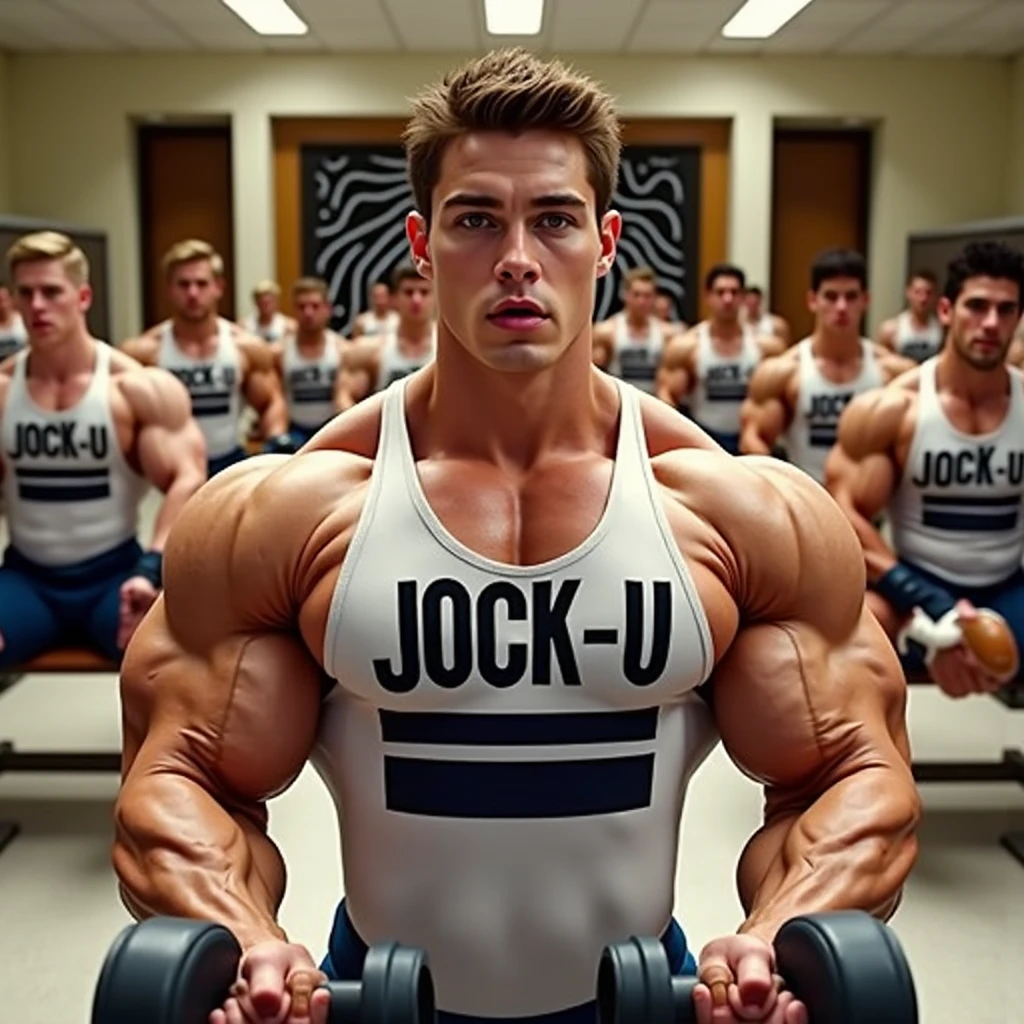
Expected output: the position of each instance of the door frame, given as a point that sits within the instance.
(712, 136)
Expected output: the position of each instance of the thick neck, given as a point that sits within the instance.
(837, 345)
(196, 331)
(74, 355)
(954, 375)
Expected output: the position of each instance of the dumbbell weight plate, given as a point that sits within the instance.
(166, 971)
(847, 968)
(396, 988)
(634, 985)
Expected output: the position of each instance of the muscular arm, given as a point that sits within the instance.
(603, 343)
(782, 331)
(168, 445)
(892, 365)
(360, 363)
(887, 335)
(862, 469)
(214, 673)
(773, 346)
(262, 387)
(766, 412)
(675, 375)
(144, 349)
(810, 700)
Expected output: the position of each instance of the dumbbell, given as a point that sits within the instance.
(168, 970)
(846, 967)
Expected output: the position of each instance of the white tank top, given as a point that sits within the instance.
(812, 432)
(374, 325)
(69, 491)
(309, 383)
(13, 338)
(636, 359)
(510, 746)
(722, 381)
(764, 327)
(957, 510)
(913, 343)
(215, 385)
(273, 331)
(394, 364)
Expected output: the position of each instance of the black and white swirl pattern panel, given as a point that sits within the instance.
(658, 195)
(354, 202)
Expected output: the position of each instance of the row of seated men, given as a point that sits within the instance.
(919, 436)
(92, 427)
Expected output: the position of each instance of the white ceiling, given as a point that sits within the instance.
(990, 27)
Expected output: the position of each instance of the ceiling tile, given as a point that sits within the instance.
(436, 24)
(669, 25)
(592, 25)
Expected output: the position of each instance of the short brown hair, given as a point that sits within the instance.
(644, 274)
(404, 272)
(49, 245)
(311, 284)
(189, 251)
(513, 91)
(266, 287)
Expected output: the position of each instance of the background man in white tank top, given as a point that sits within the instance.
(518, 572)
(222, 366)
(916, 333)
(629, 345)
(308, 364)
(267, 322)
(665, 310)
(796, 399)
(705, 372)
(941, 450)
(381, 318)
(764, 323)
(84, 432)
(370, 364)
(13, 335)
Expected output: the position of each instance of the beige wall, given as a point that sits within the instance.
(1015, 168)
(5, 160)
(80, 165)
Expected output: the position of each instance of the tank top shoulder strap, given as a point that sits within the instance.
(631, 455)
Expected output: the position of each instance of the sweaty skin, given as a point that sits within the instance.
(153, 419)
(774, 392)
(809, 696)
(678, 373)
(260, 383)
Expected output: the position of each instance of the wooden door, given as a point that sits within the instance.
(185, 192)
(820, 199)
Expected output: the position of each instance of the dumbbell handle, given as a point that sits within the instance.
(682, 1000)
(345, 1001)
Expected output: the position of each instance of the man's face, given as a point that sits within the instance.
(839, 305)
(195, 290)
(514, 249)
(266, 305)
(414, 300)
(663, 308)
(380, 299)
(921, 298)
(753, 302)
(51, 304)
(639, 300)
(725, 297)
(312, 311)
(982, 321)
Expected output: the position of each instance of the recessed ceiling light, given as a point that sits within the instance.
(513, 17)
(759, 19)
(268, 17)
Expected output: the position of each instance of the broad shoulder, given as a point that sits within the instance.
(790, 553)
(892, 365)
(873, 421)
(152, 392)
(774, 374)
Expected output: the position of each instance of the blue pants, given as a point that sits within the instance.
(44, 607)
(344, 962)
(301, 434)
(221, 462)
(1006, 598)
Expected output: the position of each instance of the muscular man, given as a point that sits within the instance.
(220, 364)
(705, 372)
(381, 318)
(629, 345)
(13, 335)
(84, 432)
(484, 601)
(268, 322)
(916, 333)
(371, 364)
(308, 361)
(665, 311)
(763, 323)
(798, 397)
(942, 451)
